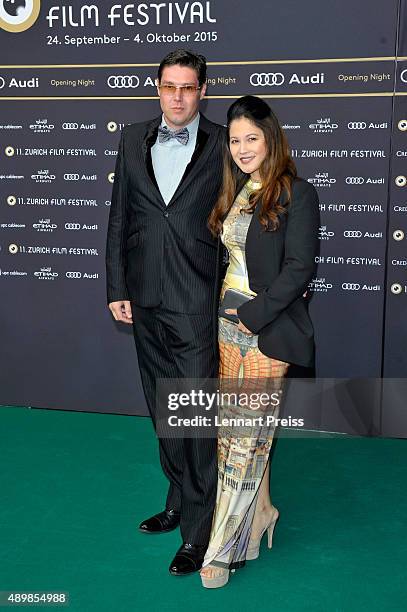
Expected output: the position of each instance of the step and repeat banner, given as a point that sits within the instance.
(73, 74)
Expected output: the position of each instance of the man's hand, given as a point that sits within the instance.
(121, 311)
(241, 327)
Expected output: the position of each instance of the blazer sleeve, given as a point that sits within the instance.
(117, 232)
(301, 247)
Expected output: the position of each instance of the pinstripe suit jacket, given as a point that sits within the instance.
(158, 254)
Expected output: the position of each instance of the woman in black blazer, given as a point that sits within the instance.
(268, 220)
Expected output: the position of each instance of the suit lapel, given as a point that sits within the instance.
(205, 141)
(150, 134)
(149, 139)
(201, 140)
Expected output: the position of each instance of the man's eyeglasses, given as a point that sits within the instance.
(185, 90)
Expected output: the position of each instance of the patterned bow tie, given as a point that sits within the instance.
(164, 135)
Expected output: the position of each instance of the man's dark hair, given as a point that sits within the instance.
(182, 57)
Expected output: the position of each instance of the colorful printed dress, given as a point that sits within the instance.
(243, 451)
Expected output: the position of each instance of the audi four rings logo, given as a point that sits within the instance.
(72, 226)
(70, 126)
(352, 233)
(357, 125)
(403, 75)
(261, 79)
(71, 177)
(350, 286)
(354, 180)
(73, 274)
(123, 82)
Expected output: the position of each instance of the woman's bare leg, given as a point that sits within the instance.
(263, 505)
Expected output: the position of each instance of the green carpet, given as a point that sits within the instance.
(74, 487)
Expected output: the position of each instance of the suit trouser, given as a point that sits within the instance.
(176, 345)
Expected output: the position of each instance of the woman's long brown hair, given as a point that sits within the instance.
(277, 170)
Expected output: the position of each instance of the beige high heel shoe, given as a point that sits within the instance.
(253, 548)
(219, 579)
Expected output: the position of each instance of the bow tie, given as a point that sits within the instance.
(164, 135)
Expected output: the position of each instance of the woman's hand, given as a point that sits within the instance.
(241, 327)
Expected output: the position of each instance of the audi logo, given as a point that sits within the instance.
(70, 126)
(350, 286)
(352, 234)
(354, 180)
(72, 226)
(2, 82)
(73, 274)
(403, 75)
(123, 82)
(262, 79)
(357, 125)
(71, 177)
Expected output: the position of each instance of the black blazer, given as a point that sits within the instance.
(280, 265)
(158, 254)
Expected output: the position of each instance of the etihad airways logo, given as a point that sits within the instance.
(319, 285)
(18, 15)
(322, 179)
(324, 234)
(324, 125)
(46, 274)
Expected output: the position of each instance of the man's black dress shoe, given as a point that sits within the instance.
(188, 559)
(161, 522)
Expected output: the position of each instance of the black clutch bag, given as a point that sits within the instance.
(233, 299)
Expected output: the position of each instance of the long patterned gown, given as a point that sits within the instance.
(243, 451)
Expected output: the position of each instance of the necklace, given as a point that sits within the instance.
(254, 185)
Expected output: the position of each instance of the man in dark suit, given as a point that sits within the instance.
(161, 262)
